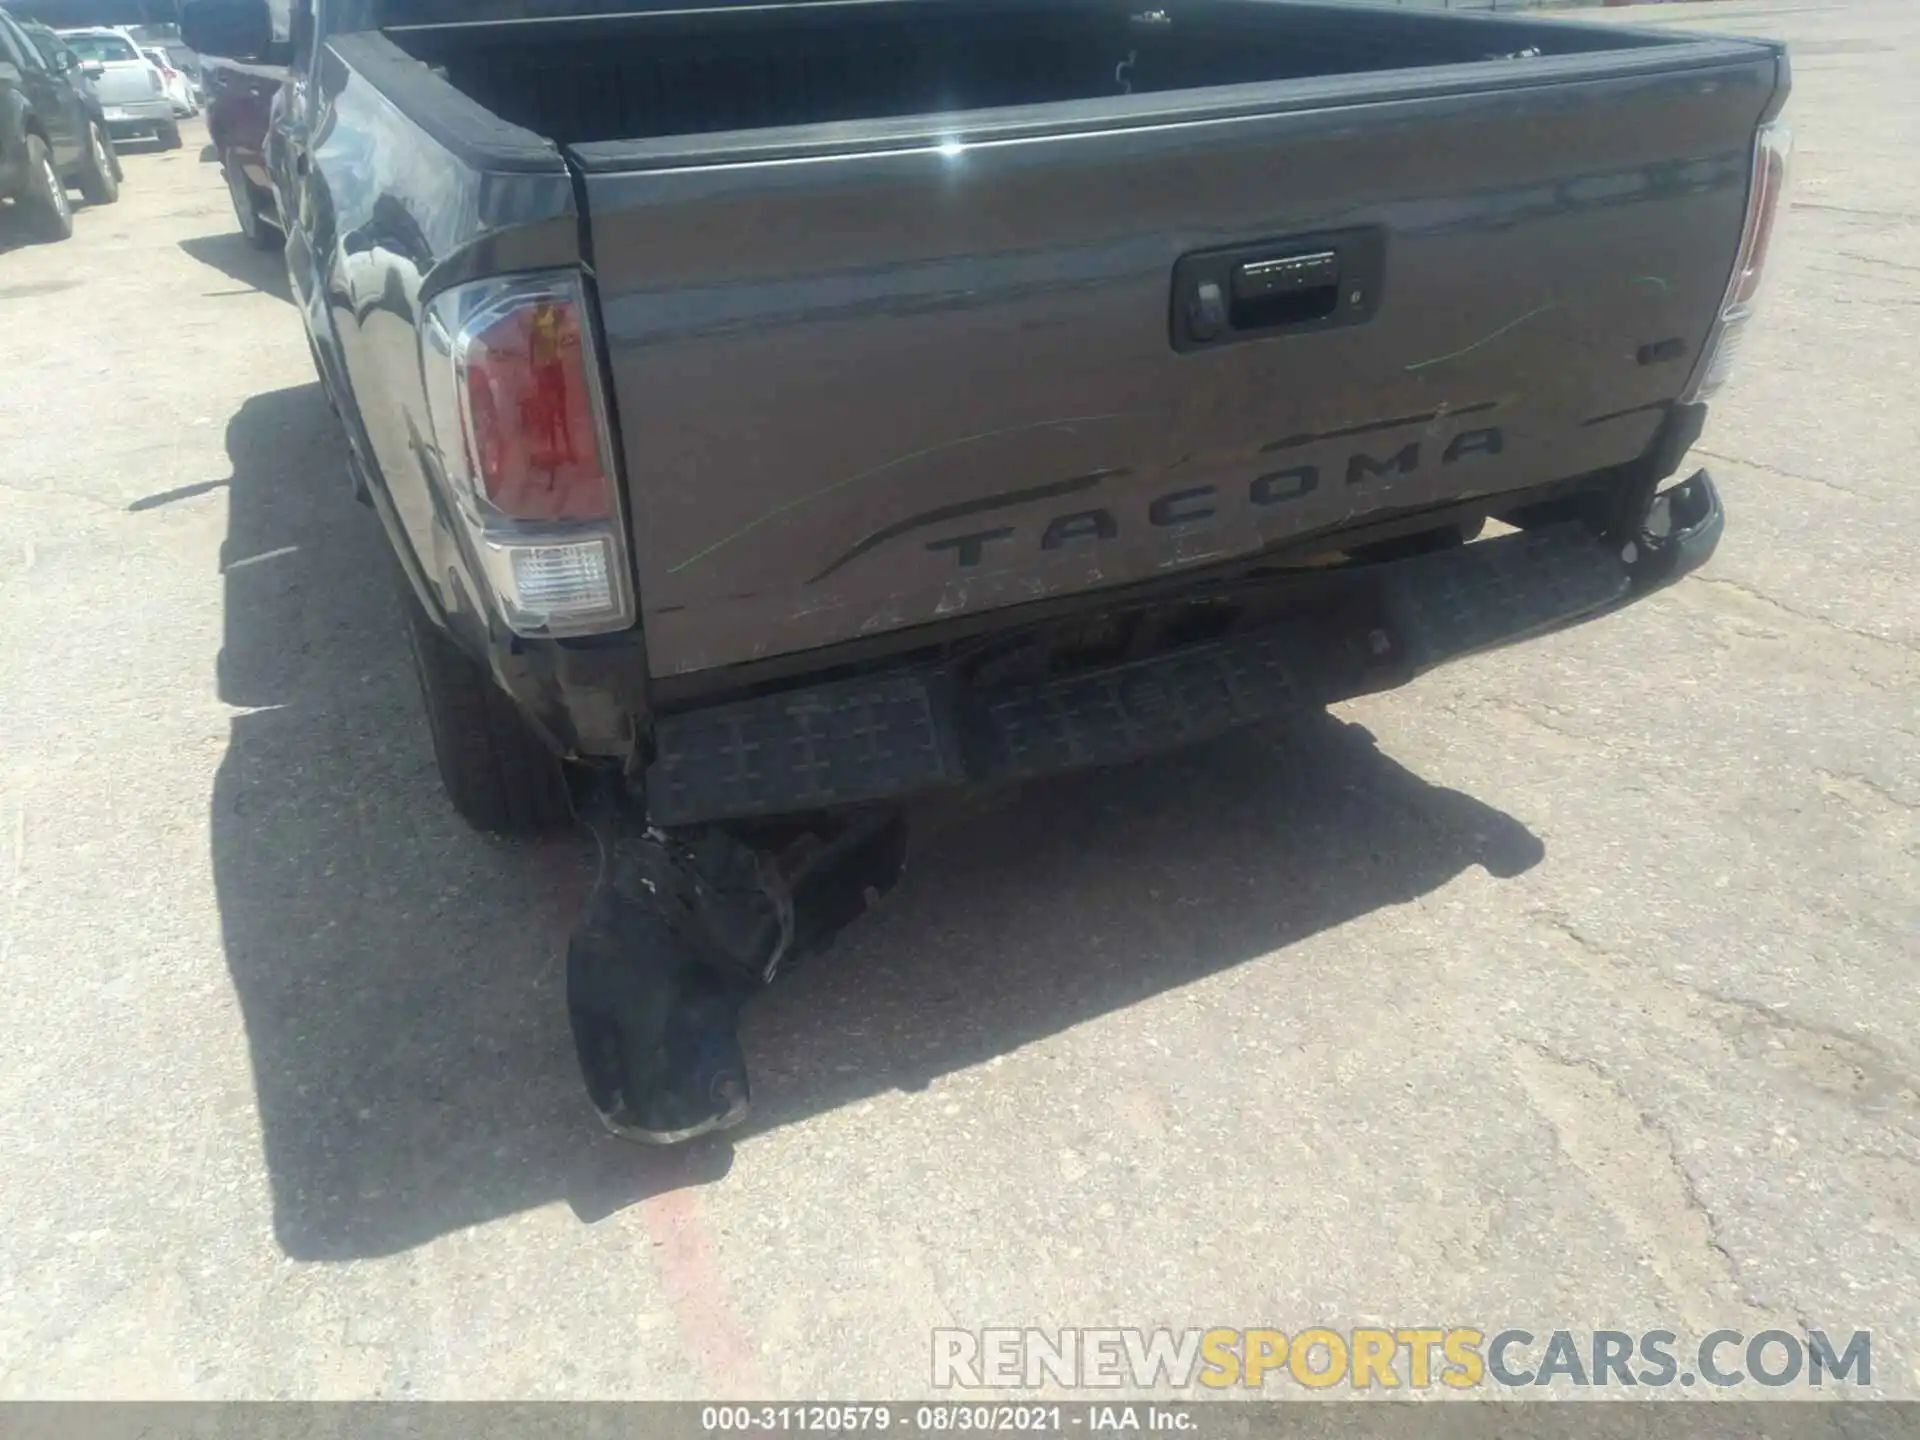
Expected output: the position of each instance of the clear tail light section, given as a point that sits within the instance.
(1772, 148)
(513, 383)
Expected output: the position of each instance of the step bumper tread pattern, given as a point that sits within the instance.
(901, 733)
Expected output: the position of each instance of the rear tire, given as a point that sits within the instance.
(169, 134)
(49, 214)
(99, 177)
(246, 209)
(495, 770)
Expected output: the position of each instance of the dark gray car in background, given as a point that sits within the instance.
(53, 132)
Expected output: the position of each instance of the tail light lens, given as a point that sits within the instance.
(529, 414)
(153, 80)
(512, 381)
(1772, 148)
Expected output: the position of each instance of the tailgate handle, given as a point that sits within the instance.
(1276, 287)
(1285, 290)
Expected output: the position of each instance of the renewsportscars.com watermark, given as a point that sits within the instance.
(1401, 1357)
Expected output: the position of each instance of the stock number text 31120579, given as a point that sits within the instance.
(917, 1419)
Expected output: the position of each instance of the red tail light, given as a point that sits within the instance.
(1772, 147)
(535, 441)
(1763, 207)
(521, 441)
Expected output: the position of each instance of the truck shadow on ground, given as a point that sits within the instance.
(16, 232)
(401, 978)
(243, 262)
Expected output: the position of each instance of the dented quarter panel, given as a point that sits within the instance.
(408, 187)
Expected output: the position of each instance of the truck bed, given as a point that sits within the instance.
(637, 76)
(903, 302)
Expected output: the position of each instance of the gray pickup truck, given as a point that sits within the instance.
(781, 411)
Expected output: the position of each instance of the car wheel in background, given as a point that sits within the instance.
(169, 134)
(49, 215)
(495, 770)
(99, 176)
(246, 208)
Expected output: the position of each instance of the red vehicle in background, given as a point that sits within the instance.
(239, 106)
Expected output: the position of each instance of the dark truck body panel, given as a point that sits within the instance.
(406, 187)
(827, 369)
(890, 378)
(239, 105)
(878, 371)
(752, 81)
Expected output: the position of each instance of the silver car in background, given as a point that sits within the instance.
(179, 87)
(132, 92)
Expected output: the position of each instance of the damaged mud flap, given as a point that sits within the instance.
(1678, 534)
(682, 927)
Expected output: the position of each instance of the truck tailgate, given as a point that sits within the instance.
(866, 384)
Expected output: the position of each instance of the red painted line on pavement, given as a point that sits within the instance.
(674, 1218)
(683, 1253)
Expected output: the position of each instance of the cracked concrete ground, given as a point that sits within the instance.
(1574, 987)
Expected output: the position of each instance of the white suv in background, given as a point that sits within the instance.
(130, 87)
(179, 87)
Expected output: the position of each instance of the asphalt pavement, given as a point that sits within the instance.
(1575, 986)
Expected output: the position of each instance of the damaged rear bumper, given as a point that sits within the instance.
(1353, 631)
